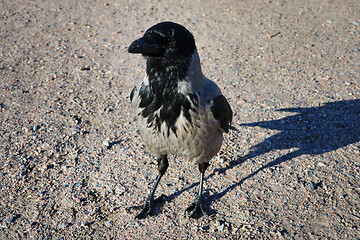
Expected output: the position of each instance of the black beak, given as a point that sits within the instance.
(140, 46)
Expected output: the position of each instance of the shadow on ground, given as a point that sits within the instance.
(313, 130)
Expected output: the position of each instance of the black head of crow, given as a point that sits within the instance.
(178, 110)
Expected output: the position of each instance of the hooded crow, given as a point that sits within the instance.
(178, 110)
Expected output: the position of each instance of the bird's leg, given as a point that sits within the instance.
(197, 206)
(149, 204)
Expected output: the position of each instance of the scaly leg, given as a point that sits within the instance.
(197, 206)
(150, 203)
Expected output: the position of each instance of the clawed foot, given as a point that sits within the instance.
(197, 208)
(148, 207)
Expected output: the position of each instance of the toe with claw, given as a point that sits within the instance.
(148, 207)
(197, 209)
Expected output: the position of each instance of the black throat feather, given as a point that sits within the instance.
(162, 93)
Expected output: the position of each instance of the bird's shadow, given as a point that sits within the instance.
(312, 130)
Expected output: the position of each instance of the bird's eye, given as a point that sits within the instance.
(153, 37)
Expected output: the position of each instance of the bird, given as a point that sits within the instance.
(177, 109)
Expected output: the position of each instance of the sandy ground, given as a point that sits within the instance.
(72, 161)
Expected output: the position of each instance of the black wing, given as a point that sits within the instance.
(132, 93)
(222, 111)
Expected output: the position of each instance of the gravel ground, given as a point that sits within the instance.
(72, 161)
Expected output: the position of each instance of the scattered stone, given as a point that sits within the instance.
(36, 127)
(77, 119)
(62, 225)
(313, 186)
(107, 144)
(108, 223)
(12, 218)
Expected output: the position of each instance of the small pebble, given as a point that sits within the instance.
(12, 218)
(313, 186)
(41, 193)
(62, 225)
(108, 223)
(107, 144)
(220, 227)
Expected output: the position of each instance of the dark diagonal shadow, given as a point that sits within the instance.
(313, 130)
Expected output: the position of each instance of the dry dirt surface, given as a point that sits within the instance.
(72, 161)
